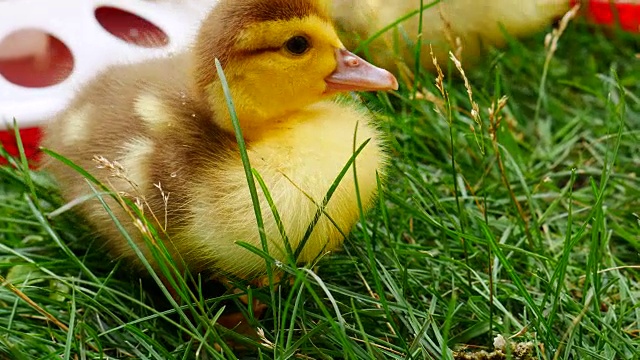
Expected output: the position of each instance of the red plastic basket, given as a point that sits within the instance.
(48, 49)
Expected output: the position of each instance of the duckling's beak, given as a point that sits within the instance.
(355, 74)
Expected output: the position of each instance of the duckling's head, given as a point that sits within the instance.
(278, 56)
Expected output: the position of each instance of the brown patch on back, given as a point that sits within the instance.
(179, 148)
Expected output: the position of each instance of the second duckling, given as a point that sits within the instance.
(478, 25)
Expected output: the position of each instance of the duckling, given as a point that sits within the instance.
(165, 127)
(478, 24)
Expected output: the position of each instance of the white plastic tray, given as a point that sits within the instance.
(92, 47)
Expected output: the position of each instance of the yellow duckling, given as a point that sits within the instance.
(478, 24)
(166, 125)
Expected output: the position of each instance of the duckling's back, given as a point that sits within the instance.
(138, 129)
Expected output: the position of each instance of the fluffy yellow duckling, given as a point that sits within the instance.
(477, 23)
(166, 123)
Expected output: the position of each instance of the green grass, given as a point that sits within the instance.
(524, 223)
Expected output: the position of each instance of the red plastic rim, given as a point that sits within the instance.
(30, 141)
(606, 12)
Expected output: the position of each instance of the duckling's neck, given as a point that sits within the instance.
(257, 109)
(253, 122)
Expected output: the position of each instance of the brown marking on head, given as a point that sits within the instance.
(221, 28)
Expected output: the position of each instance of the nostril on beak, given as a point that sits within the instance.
(352, 61)
(349, 59)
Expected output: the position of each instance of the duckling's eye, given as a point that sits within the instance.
(297, 45)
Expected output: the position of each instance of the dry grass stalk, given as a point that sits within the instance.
(440, 78)
(475, 109)
(139, 200)
(495, 116)
(5, 283)
(119, 172)
(47, 316)
(552, 38)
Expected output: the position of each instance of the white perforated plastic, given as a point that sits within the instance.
(93, 48)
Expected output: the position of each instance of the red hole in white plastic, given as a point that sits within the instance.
(130, 27)
(35, 59)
